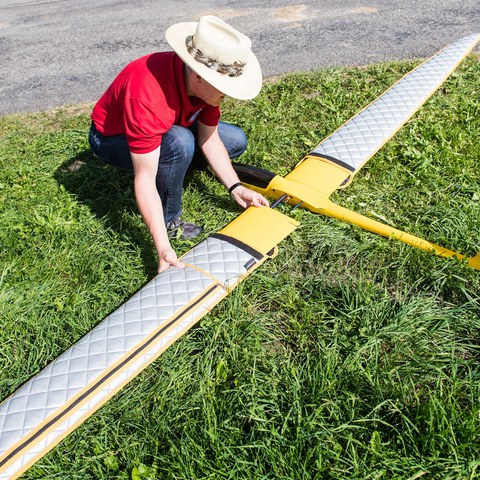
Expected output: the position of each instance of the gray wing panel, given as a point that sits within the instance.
(221, 259)
(362, 136)
(68, 390)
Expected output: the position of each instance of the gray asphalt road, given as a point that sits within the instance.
(56, 52)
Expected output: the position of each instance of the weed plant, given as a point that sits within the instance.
(347, 356)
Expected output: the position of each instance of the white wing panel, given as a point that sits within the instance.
(362, 136)
(47, 407)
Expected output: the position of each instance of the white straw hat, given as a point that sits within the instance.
(220, 54)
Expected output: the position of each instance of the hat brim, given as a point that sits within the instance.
(244, 87)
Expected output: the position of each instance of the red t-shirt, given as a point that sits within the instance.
(146, 99)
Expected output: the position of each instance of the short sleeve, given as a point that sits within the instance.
(144, 126)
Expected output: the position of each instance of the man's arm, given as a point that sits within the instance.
(149, 204)
(217, 157)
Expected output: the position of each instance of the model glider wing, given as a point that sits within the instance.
(334, 162)
(53, 403)
(353, 144)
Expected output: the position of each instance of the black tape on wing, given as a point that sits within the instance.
(254, 176)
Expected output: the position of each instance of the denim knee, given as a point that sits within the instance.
(178, 144)
(233, 138)
(240, 145)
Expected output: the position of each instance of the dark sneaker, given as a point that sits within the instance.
(178, 228)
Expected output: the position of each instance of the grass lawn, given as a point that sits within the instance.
(347, 356)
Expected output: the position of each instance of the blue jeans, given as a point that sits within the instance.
(179, 147)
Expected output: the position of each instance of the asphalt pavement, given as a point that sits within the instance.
(57, 52)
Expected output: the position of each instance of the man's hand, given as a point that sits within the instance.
(168, 258)
(217, 157)
(249, 198)
(145, 166)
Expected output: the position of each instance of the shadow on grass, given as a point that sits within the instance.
(109, 194)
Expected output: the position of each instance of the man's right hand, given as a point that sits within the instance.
(168, 258)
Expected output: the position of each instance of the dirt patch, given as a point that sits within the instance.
(74, 166)
(365, 10)
(293, 13)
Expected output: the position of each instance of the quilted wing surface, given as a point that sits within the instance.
(60, 397)
(361, 137)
